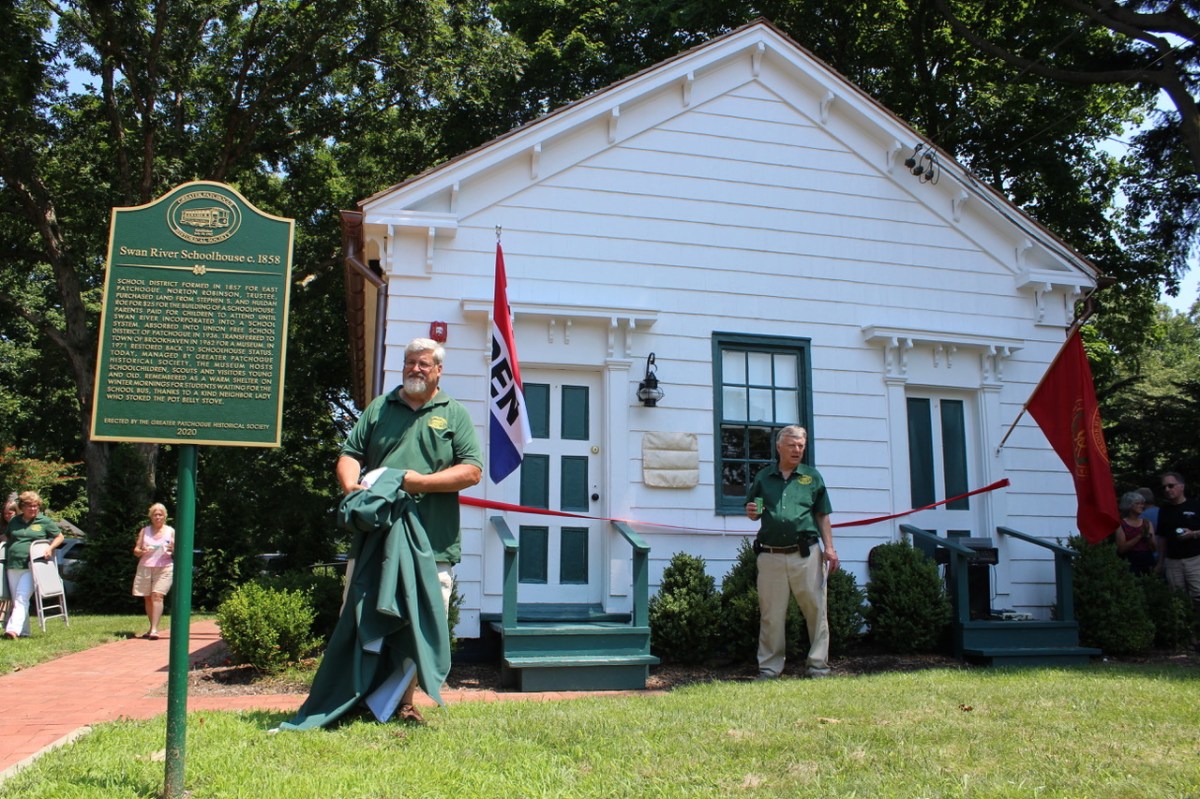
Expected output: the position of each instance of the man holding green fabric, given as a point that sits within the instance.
(426, 435)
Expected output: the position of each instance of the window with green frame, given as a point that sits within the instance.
(760, 384)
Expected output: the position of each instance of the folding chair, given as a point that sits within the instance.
(49, 597)
(5, 603)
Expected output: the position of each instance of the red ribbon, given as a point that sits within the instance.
(505, 506)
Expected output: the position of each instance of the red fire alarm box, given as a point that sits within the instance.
(437, 332)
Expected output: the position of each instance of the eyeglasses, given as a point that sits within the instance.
(1170, 485)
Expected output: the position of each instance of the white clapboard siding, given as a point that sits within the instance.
(741, 188)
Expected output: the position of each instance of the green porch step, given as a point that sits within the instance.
(566, 672)
(560, 612)
(1018, 634)
(573, 648)
(1031, 656)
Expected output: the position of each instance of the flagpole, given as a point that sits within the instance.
(1071, 331)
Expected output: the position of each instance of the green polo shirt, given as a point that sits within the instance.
(789, 506)
(434, 437)
(21, 534)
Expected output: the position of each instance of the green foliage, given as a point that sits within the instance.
(323, 590)
(216, 573)
(1171, 612)
(1150, 401)
(846, 609)
(685, 612)
(909, 610)
(740, 613)
(268, 628)
(60, 483)
(1109, 605)
(105, 580)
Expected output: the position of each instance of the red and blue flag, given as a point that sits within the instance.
(509, 426)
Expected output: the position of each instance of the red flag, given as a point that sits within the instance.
(1064, 406)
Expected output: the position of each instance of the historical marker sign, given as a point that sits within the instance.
(194, 321)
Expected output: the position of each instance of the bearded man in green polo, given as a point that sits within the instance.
(421, 430)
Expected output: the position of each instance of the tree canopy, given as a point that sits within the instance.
(305, 106)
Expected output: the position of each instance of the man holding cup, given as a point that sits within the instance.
(791, 501)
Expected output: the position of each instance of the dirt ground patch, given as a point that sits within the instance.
(217, 675)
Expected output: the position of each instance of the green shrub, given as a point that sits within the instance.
(268, 628)
(324, 591)
(216, 573)
(909, 610)
(1109, 604)
(846, 610)
(740, 612)
(685, 612)
(1170, 611)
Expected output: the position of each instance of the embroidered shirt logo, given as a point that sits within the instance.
(438, 422)
(804, 479)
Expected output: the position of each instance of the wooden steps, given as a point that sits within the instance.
(573, 648)
(1023, 643)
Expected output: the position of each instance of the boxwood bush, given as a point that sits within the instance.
(685, 613)
(1109, 604)
(909, 610)
(269, 628)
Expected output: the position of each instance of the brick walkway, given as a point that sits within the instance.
(52, 703)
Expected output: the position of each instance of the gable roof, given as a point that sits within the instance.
(602, 119)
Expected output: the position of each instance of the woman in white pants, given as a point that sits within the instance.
(28, 526)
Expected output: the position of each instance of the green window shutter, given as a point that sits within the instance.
(954, 453)
(573, 556)
(920, 451)
(534, 555)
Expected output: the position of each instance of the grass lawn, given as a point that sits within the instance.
(84, 632)
(1108, 730)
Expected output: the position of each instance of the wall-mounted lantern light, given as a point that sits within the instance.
(648, 391)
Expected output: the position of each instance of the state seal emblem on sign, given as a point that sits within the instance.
(204, 217)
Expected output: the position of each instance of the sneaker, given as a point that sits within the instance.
(817, 674)
(765, 675)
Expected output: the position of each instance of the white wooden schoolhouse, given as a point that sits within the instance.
(742, 225)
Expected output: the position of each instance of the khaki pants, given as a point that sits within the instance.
(1184, 574)
(781, 577)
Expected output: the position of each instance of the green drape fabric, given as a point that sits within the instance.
(393, 614)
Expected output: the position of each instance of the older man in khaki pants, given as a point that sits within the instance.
(793, 505)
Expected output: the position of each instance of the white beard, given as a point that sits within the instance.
(415, 384)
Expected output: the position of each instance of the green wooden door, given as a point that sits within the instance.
(560, 558)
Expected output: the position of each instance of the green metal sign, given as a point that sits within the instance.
(194, 322)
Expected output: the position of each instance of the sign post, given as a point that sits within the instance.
(192, 351)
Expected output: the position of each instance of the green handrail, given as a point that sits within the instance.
(959, 557)
(641, 574)
(1063, 574)
(508, 612)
